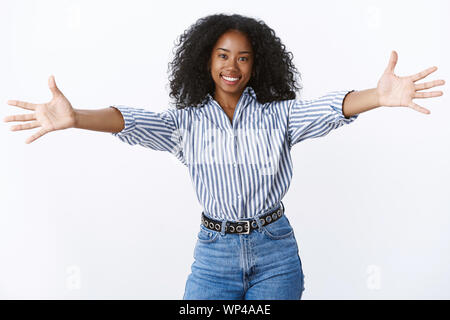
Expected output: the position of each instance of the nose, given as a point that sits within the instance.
(232, 64)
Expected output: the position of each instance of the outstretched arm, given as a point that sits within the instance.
(104, 120)
(393, 91)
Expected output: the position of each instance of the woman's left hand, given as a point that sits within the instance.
(395, 91)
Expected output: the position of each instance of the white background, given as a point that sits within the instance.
(86, 216)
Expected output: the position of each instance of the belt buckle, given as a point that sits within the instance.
(248, 227)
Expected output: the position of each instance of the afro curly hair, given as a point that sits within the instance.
(274, 76)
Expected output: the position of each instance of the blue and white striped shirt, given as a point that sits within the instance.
(241, 168)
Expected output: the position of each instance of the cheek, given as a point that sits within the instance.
(248, 69)
(249, 73)
(215, 70)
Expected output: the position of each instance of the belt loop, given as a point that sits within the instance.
(258, 223)
(222, 230)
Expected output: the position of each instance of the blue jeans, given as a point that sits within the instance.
(263, 265)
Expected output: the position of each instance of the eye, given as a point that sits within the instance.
(244, 58)
(221, 54)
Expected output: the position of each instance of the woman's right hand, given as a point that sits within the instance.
(55, 115)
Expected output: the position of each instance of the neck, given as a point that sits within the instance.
(226, 100)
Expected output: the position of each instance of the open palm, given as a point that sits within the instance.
(55, 115)
(394, 91)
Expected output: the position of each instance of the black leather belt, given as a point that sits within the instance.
(243, 226)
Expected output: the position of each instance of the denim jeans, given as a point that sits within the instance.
(262, 265)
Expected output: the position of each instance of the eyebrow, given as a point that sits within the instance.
(229, 50)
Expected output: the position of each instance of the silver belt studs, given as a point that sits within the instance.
(242, 229)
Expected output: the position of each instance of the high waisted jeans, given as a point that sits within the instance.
(262, 265)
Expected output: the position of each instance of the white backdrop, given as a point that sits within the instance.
(86, 216)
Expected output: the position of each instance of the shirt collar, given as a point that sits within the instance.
(248, 91)
(211, 106)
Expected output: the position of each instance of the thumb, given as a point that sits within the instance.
(52, 85)
(392, 62)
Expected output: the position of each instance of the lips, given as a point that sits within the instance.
(230, 78)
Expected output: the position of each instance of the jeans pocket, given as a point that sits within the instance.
(279, 229)
(206, 235)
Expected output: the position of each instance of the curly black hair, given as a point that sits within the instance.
(273, 74)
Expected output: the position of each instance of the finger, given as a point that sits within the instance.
(52, 85)
(423, 74)
(35, 136)
(419, 108)
(22, 104)
(392, 62)
(421, 95)
(25, 126)
(20, 117)
(428, 85)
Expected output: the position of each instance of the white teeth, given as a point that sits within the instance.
(230, 79)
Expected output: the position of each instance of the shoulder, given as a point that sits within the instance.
(279, 108)
(184, 117)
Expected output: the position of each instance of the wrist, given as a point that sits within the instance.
(377, 98)
(76, 118)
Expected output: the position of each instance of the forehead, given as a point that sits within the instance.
(233, 40)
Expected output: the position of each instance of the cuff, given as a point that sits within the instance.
(130, 122)
(337, 105)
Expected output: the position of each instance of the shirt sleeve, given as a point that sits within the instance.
(317, 117)
(154, 130)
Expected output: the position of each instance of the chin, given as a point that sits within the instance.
(232, 90)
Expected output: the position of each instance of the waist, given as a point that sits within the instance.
(243, 226)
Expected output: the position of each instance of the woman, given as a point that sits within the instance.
(235, 122)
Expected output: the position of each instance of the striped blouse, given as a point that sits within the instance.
(242, 168)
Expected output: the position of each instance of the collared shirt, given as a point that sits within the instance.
(239, 168)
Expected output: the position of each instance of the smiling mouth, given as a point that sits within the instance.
(230, 80)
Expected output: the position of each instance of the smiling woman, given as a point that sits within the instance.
(234, 125)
